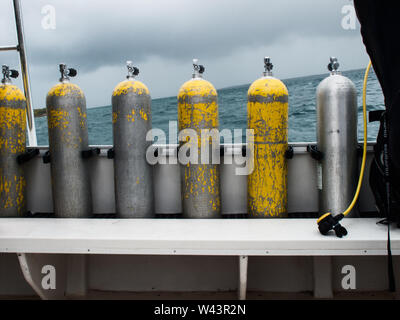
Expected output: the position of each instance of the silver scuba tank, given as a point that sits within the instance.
(68, 139)
(131, 106)
(337, 141)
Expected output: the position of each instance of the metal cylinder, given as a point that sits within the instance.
(198, 111)
(337, 140)
(68, 138)
(267, 112)
(131, 106)
(12, 144)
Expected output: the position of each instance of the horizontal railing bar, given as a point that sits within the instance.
(9, 48)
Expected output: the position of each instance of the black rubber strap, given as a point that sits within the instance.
(315, 153)
(27, 156)
(289, 154)
(243, 151)
(46, 157)
(111, 153)
(86, 154)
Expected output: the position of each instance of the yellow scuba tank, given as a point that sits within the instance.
(267, 110)
(198, 110)
(12, 144)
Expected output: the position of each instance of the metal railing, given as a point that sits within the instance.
(20, 47)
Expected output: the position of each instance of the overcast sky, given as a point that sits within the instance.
(230, 37)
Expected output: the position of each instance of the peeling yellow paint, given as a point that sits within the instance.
(12, 143)
(63, 89)
(268, 87)
(12, 129)
(204, 115)
(197, 110)
(58, 119)
(197, 87)
(130, 86)
(143, 114)
(20, 184)
(12, 192)
(267, 185)
(82, 118)
(131, 116)
(10, 92)
(114, 117)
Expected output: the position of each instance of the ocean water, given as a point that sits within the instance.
(233, 110)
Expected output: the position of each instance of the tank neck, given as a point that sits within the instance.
(197, 76)
(64, 80)
(6, 81)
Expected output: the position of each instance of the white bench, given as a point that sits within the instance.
(40, 242)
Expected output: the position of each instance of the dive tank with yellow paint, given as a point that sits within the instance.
(267, 112)
(133, 175)
(12, 144)
(337, 141)
(198, 114)
(68, 140)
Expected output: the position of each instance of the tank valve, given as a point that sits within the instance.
(66, 73)
(334, 65)
(132, 70)
(268, 67)
(8, 73)
(198, 69)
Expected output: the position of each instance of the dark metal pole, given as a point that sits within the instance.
(25, 73)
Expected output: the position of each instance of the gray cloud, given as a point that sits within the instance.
(162, 36)
(100, 33)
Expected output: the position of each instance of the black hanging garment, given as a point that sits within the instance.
(379, 27)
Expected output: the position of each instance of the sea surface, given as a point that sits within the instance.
(233, 110)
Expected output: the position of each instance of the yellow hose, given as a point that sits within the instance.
(364, 160)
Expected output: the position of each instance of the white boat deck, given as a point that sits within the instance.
(285, 237)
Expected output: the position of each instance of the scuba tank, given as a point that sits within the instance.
(68, 144)
(336, 141)
(337, 110)
(131, 107)
(267, 111)
(12, 145)
(197, 111)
